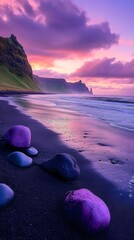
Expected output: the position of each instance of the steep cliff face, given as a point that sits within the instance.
(55, 85)
(13, 56)
(15, 70)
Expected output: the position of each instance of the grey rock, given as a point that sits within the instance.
(62, 165)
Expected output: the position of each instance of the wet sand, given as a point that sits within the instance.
(36, 212)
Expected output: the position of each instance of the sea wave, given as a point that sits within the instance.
(117, 111)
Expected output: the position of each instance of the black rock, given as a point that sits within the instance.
(62, 165)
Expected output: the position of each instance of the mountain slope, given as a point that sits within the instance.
(15, 70)
(10, 81)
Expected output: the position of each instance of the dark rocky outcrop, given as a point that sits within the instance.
(79, 87)
(13, 56)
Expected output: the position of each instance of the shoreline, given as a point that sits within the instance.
(109, 149)
(36, 211)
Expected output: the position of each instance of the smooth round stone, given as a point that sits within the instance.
(18, 136)
(132, 181)
(86, 211)
(62, 165)
(19, 159)
(6, 194)
(31, 151)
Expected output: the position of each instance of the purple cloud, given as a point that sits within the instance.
(62, 15)
(106, 68)
(28, 9)
(57, 28)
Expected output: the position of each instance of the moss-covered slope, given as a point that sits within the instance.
(13, 82)
(15, 70)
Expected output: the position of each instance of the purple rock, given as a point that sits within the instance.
(19, 159)
(86, 211)
(6, 194)
(18, 136)
(62, 165)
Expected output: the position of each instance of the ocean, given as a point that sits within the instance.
(117, 111)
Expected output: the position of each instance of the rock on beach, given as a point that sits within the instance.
(18, 136)
(19, 159)
(31, 151)
(6, 194)
(62, 165)
(86, 211)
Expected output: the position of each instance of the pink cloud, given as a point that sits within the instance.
(55, 29)
(106, 68)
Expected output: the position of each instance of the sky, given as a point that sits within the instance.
(91, 40)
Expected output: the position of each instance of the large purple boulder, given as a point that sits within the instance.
(6, 194)
(18, 136)
(62, 165)
(19, 159)
(86, 211)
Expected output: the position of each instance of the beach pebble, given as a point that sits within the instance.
(31, 151)
(6, 194)
(86, 211)
(132, 181)
(19, 159)
(18, 136)
(62, 165)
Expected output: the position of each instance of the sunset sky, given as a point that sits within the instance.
(91, 40)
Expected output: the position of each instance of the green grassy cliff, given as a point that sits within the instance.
(15, 70)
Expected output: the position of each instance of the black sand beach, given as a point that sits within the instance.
(36, 211)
